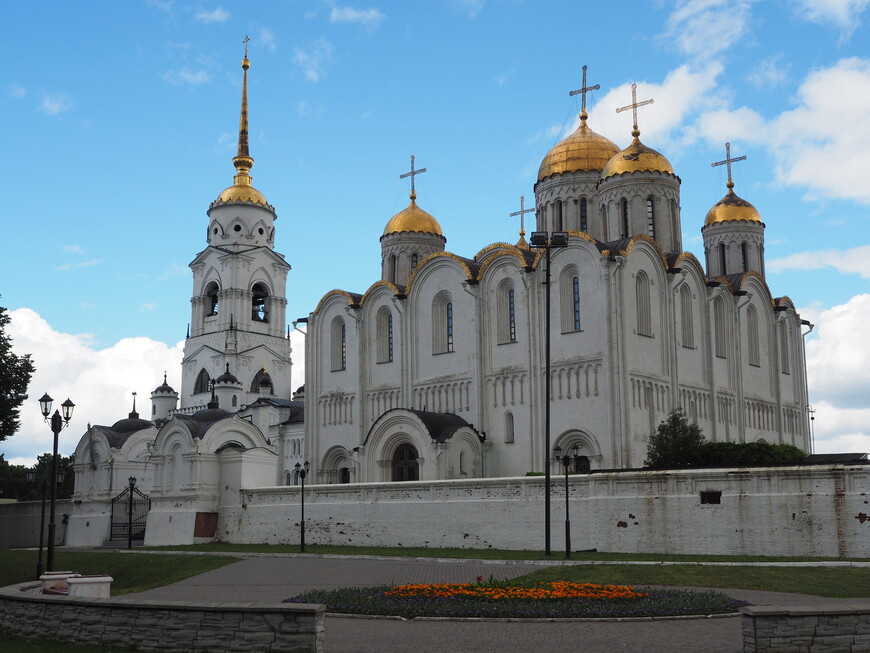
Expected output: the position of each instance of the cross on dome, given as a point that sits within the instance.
(523, 210)
(583, 91)
(727, 162)
(633, 106)
(412, 174)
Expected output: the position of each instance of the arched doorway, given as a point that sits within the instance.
(405, 466)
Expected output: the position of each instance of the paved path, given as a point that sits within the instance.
(277, 578)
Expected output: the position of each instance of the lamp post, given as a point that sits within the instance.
(547, 241)
(30, 475)
(302, 472)
(57, 423)
(566, 461)
(132, 482)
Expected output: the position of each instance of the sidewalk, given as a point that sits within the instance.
(277, 578)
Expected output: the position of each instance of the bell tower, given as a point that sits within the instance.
(238, 307)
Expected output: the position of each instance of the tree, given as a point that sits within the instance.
(15, 372)
(676, 442)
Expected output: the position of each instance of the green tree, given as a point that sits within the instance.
(676, 442)
(15, 372)
(14, 485)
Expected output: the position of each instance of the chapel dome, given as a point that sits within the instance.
(732, 208)
(241, 194)
(130, 425)
(637, 157)
(228, 377)
(411, 219)
(581, 151)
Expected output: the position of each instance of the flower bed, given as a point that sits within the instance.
(558, 599)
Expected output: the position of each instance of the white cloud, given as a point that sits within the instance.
(313, 61)
(267, 39)
(855, 260)
(469, 7)
(75, 266)
(147, 306)
(174, 270)
(702, 29)
(54, 103)
(16, 91)
(75, 249)
(845, 15)
(770, 72)
(99, 382)
(186, 77)
(163, 5)
(216, 15)
(370, 17)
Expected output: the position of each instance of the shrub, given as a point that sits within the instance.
(676, 442)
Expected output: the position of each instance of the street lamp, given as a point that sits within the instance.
(57, 423)
(132, 482)
(547, 241)
(30, 475)
(566, 461)
(302, 472)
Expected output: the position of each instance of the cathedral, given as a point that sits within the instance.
(585, 335)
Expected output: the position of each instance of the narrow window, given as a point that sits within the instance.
(687, 318)
(744, 253)
(211, 293)
(259, 294)
(783, 338)
(512, 316)
(583, 215)
(644, 319)
(344, 475)
(557, 216)
(449, 334)
(203, 382)
(508, 427)
(343, 346)
(722, 268)
(442, 323)
(390, 337)
(338, 344)
(414, 261)
(604, 224)
(569, 299)
(575, 296)
(384, 336)
(393, 268)
(719, 326)
(650, 218)
(752, 336)
(625, 231)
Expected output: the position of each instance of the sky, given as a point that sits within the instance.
(122, 120)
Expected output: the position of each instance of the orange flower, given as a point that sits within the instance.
(554, 590)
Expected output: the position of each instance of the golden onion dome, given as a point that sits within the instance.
(732, 208)
(241, 194)
(413, 218)
(637, 157)
(522, 243)
(582, 150)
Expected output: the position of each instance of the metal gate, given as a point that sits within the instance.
(129, 512)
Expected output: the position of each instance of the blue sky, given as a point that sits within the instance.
(122, 119)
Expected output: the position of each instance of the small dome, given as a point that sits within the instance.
(265, 381)
(582, 150)
(241, 194)
(413, 218)
(164, 387)
(637, 157)
(522, 243)
(130, 425)
(732, 208)
(228, 377)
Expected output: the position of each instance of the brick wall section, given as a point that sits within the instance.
(806, 629)
(163, 625)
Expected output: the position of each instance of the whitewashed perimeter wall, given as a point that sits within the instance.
(806, 511)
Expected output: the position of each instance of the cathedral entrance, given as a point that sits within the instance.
(129, 514)
(405, 465)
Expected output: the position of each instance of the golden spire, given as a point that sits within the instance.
(243, 161)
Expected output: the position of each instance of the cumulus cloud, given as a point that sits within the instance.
(75, 266)
(844, 15)
(855, 260)
(314, 60)
(216, 15)
(370, 17)
(16, 91)
(147, 306)
(770, 72)
(701, 29)
(186, 77)
(54, 103)
(267, 39)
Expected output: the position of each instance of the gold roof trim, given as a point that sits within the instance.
(582, 235)
(583, 150)
(413, 219)
(637, 157)
(691, 258)
(639, 237)
(351, 301)
(732, 208)
(509, 251)
(469, 275)
(389, 285)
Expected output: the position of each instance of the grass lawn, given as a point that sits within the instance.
(130, 573)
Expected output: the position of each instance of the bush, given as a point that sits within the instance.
(738, 454)
(676, 442)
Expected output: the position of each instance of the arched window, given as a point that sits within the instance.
(235, 401)
(584, 220)
(650, 218)
(687, 321)
(393, 268)
(719, 326)
(258, 303)
(557, 215)
(508, 427)
(385, 335)
(414, 261)
(783, 343)
(442, 323)
(405, 465)
(723, 270)
(569, 299)
(255, 382)
(211, 293)
(625, 226)
(604, 223)
(344, 475)
(752, 336)
(744, 254)
(202, 383)
(644, 318)
(338, 344)
(506, 313)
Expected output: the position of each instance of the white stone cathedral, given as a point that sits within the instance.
(437, 370)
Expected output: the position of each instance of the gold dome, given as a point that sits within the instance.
(582, 150)
(637, 157)
(413, 218)
(732, 208)
(241, 194)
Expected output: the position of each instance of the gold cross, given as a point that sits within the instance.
(412, 174)
(246, 45)
(523, 210)
(728, 160)
(634, 105)
(583, 91)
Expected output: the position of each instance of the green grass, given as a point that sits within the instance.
(130, 573)
(839, 582)
(485, 554)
